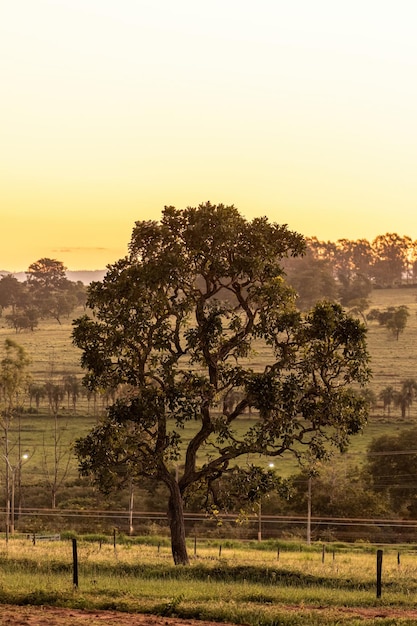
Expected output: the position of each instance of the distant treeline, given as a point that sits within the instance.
(387, 261)
(347, 270)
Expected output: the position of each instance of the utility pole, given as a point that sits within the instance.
(309, 511)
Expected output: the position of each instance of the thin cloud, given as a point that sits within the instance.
(71, 249)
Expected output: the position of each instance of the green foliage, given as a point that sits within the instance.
(46, 274)
(354, 291)
(384, 261)
(176, 348)
(13, 376)
(312, 279)
(11, 292)
(46, 293)
(393, 318)
(338, 490)
(392, 466)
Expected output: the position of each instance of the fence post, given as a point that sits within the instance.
(75, 563)
(379, 573)
(323, 552)
(195, 545)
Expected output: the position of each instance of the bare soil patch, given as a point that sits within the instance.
(53, 616)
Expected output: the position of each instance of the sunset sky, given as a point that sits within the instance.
(301, 110)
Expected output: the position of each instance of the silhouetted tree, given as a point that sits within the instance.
(161, 327)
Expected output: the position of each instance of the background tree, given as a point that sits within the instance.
(393, 318)
(163, 330)
(11, 291)
(390, 258)
(72, 389)
(14, 379)
(312, 279)
(51, 293)
(387, 395)
(403, 398)
(36, 393)
(46, 274)
(338, 489)
(392, 467)
(354, 290)
(57, 470)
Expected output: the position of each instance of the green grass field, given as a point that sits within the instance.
(53, 355)
(243, 585)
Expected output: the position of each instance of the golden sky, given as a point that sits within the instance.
(301, 110)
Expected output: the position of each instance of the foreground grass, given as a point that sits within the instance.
(243, 586)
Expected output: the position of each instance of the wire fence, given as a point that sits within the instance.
(228, 526)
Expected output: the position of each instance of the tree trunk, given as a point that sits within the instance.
(177, 525)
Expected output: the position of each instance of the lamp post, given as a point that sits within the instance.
(270, 466)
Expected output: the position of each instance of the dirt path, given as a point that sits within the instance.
(51, 616)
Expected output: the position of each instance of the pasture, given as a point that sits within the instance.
(239, 583)
(53, 356)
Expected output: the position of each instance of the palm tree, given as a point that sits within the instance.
(387, 395)
(409, 388)
(403, 400)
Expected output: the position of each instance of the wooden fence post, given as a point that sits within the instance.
(379, 573)
(75, 563)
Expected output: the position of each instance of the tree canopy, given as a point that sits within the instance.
(178, 326)
(46, 293)
(393, 318)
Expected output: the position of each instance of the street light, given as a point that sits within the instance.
(271, 466)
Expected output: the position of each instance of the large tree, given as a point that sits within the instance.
(176, 325)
